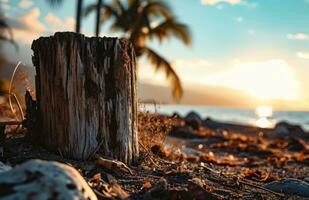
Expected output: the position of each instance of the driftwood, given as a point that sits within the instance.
(86, 96)
(113, 165)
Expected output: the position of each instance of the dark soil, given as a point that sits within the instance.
(193, 163)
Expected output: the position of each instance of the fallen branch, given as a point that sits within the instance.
(112, 165)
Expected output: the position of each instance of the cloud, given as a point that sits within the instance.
(191, 70)
(148, 74)
(219, 3)
(28, 26)
(298, 36)
(70, 21)
(60, 25)
(213, 2)
(25, 4)
(304, 55)
(192, 63)
(266, 80)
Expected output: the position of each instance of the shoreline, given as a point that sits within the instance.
(241, 116)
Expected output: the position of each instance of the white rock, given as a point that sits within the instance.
(38, 179)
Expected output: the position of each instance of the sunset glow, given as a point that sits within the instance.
(263, 123)
(264, 111)
(239, 47)
(262, 80)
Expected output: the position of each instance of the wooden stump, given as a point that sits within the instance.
(86, 95)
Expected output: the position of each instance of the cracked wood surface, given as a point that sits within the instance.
(86, 95)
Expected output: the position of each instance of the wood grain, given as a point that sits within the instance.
(86, 95)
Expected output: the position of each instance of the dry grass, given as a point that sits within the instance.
(152, 129)
(13, 108)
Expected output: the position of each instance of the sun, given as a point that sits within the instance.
(264, 111)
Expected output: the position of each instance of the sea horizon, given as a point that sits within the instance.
(244, 116)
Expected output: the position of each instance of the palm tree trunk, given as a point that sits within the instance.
(78, 15)
(97, 29)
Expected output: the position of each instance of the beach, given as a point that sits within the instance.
(188, 157)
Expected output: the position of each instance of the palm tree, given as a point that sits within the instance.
(78, 12)
(144, 20)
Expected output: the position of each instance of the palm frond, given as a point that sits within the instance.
(143, 12)
(107, 12)
(106, 8)
(171, 28)
(120, 5)
(5, 27)
(158, 8)
(160, 63)
(89, 9)
(3, 38)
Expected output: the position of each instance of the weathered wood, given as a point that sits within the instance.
(86, 95)
(31, 120)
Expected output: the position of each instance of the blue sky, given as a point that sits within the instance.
(258, 47)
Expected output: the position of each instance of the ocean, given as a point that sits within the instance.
(236, 115)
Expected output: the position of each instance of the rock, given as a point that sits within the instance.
(38, 179)
(193, 116)
(289, 186)
(284, 129)
(176, 115)
(4, 168)
(212, 124)
(194, 120)
(306, 180)
(279, 132)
